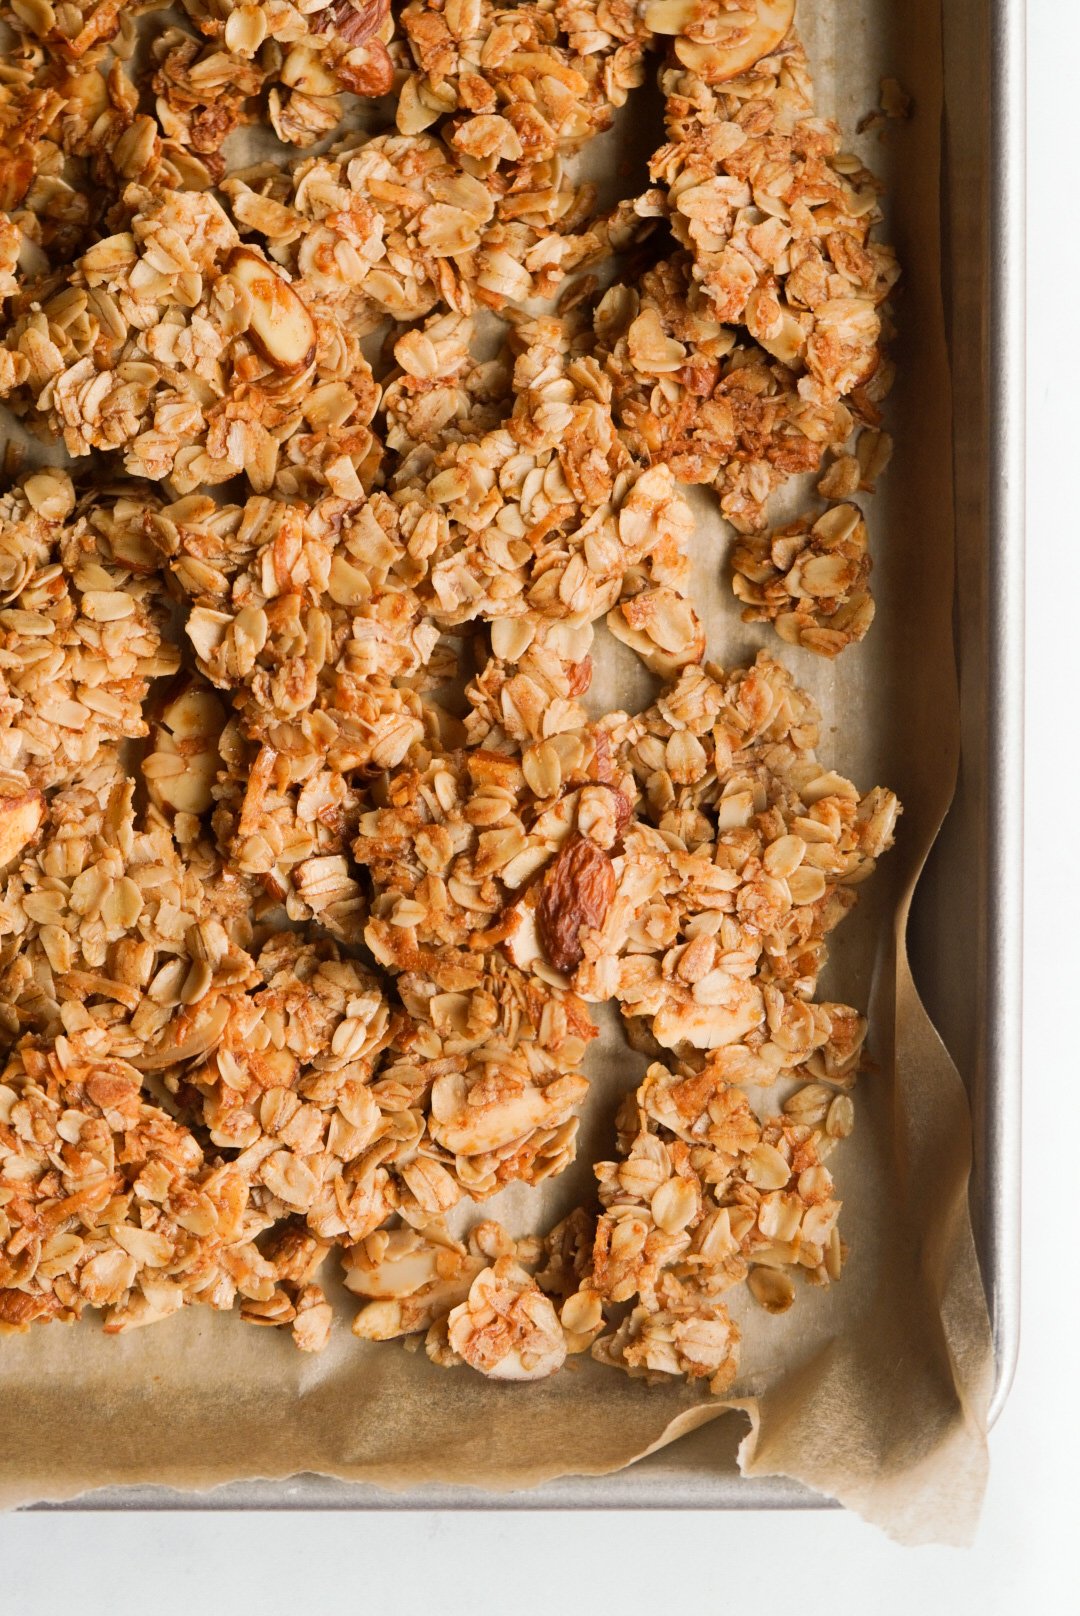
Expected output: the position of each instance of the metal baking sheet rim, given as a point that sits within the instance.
(669, 1479)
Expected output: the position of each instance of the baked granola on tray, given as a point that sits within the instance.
(316, 847)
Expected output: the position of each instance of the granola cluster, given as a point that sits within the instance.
(810, 579)
(315, 851)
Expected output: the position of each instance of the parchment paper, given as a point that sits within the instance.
(873, 1391)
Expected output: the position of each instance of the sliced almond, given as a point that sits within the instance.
(671, 16)
(744, 45)
(303, 70)
(522, 945)
(281, 327)
(181, 770)
(20, 818)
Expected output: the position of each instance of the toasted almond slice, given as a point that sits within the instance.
(281, 327)
(729, 58)
(181, 769)
(303, 70)
(522, 945)
(671, 16)
(20, 818)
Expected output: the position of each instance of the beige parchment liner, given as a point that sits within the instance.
(873, 1391)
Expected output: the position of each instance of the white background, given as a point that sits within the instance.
(519, 1565)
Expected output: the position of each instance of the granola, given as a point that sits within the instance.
(397, 225)
(315, 852)
(313, 62)
(191, 354)
(81, 629)
(705, 1195)
(696, 394)
(742, 854)
(112, 1204)
(300, 67)
(809, 578)
(110, 928)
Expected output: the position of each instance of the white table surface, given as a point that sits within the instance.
(532, 1565)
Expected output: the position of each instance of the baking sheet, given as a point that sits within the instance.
(874, 1391)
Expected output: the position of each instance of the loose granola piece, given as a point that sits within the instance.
(110, 1203)
(777, 218)
(440, 393)
(310, 616)
(290, 838)
(379, 230)
(417, 1279)
(81, 628)
(410, 1278)
(75, 134)
(662, 627)
(894, 103)
(310, 57)
(507, 1328)
(857, 468)
(704, 1196)
(487, 1061)
(515, 90)
(202, 93)
(732, 360)
(312, 1321)
(288, 1086)
(809, 578)
(307, 619)
(532, 691)
(689, 393)
(453, 850)
(72, 29)
(715, 932)
(541, 525)
(155, 347)
(697, 1343)
(873, 451)
(307, 58)
(398, 225)
(107, 931)
(447, 857)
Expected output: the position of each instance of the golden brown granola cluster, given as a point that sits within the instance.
(315, 849)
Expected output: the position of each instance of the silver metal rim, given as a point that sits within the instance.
(1006, 666)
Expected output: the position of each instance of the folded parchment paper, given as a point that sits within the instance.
(873, 1391)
